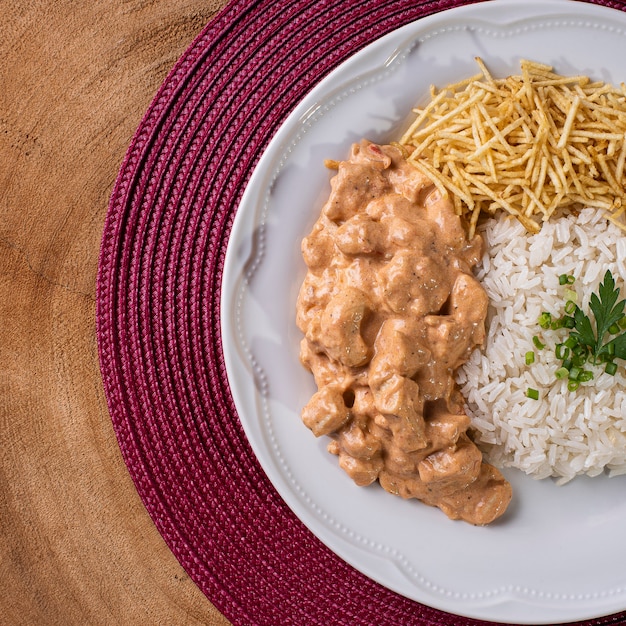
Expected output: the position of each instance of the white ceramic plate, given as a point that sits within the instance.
(559, 552)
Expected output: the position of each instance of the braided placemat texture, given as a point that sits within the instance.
(158, 313)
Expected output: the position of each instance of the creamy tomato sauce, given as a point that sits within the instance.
(389, 309)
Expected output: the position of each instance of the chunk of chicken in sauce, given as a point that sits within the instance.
(390, 309)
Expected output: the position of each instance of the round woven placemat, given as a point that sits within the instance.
(158, 313)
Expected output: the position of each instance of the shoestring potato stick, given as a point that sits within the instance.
(533, 144)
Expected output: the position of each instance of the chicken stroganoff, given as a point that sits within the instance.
(390, 309)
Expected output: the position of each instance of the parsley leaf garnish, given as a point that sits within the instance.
(599, 338)
(620, 346)
(607, 312)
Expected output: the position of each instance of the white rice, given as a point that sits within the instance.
(563, 434)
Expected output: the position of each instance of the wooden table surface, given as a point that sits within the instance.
(76, 544)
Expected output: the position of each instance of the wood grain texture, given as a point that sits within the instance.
(76, 544)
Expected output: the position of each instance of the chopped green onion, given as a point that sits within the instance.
(538, 343)
(561, 351)
(533, 394)
(530, 357)
(568, 321)
(574, 373)
(567, 364)
(570, 342)
(611, 368)
(561, 373)
(611, 348)
(614, 329)
(585, 376)
(578, 360)
(570, 307)
(621, 322)
(570, 294)
(566, 279)
(545, 320)
(572, 385)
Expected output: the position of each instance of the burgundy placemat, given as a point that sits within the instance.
(158, 313)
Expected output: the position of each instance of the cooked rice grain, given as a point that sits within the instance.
(563, 434)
